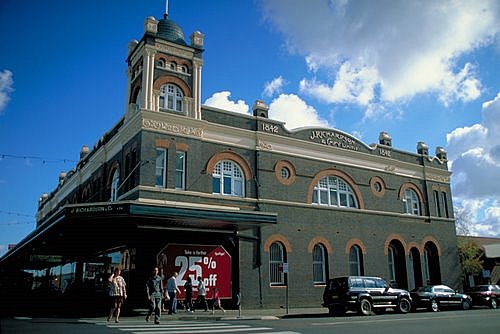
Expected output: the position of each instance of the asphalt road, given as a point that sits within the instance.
(477, 321)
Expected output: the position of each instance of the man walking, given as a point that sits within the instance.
(172, 291)
(154, 289)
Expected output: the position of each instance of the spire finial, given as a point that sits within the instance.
(166, 8)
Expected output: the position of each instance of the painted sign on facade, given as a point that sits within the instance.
(211, 262)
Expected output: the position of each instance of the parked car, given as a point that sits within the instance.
(363, 294)
(485, 295)
(437, 297)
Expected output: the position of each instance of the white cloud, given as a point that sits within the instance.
(295, 112)
(221, 100)
(387, 51)
(474, 153)
(6, 84)
(274, 86)
(483, 215)
(352, 85)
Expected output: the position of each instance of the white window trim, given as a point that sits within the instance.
(164, 168)
(318, 189)
(183, 170)
(235, 169)
(115, 183)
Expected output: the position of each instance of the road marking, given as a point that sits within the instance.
(387, 320)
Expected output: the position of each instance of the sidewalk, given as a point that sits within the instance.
(251, 314)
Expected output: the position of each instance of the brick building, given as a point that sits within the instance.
(249, 205)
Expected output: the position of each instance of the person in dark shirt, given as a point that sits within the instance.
(154, 290)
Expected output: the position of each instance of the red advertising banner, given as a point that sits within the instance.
(211, 262)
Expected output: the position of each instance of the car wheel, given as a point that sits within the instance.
(493, 303)
(404, 305)
(365, 307)
(434, 305)
(465, 305)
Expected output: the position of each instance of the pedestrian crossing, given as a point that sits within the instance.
(186, 327)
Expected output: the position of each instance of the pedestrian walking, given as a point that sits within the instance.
(172, 291)
(188, 293)
(216, 301)
(117, 293)
(154, 291)
(202, 292)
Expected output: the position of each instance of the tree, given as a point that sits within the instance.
(469, 254)
(463, 221)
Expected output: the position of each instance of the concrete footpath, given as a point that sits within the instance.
(244, 314)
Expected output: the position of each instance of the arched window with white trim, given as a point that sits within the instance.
(171, 97)
(411, 204)
(277, 258)
(391, 261)
(227, 179)
(115, 181)
(334, 191)
(356, 261)
(319, 264)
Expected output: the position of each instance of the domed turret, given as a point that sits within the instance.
(170, 31)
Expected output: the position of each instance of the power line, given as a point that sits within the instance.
(12, 213)
(16, 223)
(44, 160)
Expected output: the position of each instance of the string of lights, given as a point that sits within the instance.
(12, 213)
(44, 160)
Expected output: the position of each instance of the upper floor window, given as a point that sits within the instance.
(171, 97)
(161, 163)
(227, 179)
(438, 207)
(411, 205)
(334, 191)
(183, 69)
(115, 183)
(161, 62)
(180, 169)
(319, 264)
(445, 203)
(277, 259)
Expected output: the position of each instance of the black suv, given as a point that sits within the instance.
(363, 294)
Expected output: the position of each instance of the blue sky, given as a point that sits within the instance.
(420, 70)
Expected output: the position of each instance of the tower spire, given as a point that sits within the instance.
(166, 8)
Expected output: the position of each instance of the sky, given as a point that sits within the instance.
(420, 70)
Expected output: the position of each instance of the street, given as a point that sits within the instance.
(477, 321)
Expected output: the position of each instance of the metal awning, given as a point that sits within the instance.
(81, 231)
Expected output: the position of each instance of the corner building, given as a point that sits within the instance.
(257, 210)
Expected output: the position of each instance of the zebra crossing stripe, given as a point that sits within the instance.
(198, 330)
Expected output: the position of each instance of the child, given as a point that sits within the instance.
(216, 301)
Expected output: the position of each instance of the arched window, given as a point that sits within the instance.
(138, 100)
(183, 69)
(356, 261)
(161, 62)
(411, 205)
(319, 264)
(277, 257)
(334, 191)
(173, 66)
(227, 179)
(171, 97)
(432, 272)
(114, 185)
(391, 261)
